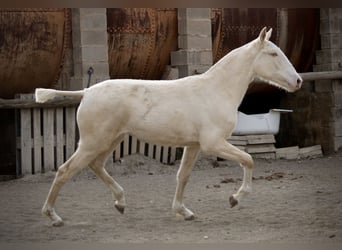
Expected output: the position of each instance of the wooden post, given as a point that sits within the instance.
(25, 139)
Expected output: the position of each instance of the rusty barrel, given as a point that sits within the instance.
(32, 44)
(140, 41)
(295, 31)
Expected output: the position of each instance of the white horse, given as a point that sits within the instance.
(198, 112)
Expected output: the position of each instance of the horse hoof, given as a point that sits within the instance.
(121, 209)
(233, 202)
(191, 217)
(58, 223)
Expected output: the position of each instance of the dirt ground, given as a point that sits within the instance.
(292, 201)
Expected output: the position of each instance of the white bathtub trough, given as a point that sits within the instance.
(267, 123)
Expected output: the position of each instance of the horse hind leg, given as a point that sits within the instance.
(98, 167)
(79, 160)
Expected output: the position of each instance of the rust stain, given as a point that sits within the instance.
(32, 43)
(140, 41)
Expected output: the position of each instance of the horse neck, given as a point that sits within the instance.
(233, 73)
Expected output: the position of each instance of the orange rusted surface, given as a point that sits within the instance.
(140, 41)
(32, 43)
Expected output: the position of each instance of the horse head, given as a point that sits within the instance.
(272, 65)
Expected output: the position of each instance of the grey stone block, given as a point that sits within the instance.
(186, 70)
(194, 13)
(338, 128)
(95, 53)
(328, 56)
(330, 13)
(337, 87)
(323, 86)
(338, 143)
(95, 21)
(77, 54)
(194, 42)
(186, 57)
(328, 26)
(170, 73)
(76, 83)
(331, 41)
(327, 67)
(78, 69)
(100, 70)
(94, 37)
(194, 27)
(338, 98)
(92, 11)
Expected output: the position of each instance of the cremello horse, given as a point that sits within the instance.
(198, 112)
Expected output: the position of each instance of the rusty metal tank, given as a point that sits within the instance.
(140, 41)
(295, 31)
(32, 44)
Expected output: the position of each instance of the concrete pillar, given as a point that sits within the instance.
(90, 46)
(194, 41)
(329, 58)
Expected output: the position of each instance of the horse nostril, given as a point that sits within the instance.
(299, 82)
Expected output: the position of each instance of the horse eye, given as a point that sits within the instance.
(273, 54)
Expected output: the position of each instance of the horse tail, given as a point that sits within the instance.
(44, 95)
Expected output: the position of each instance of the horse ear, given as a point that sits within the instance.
(262, 35)
(268, 34)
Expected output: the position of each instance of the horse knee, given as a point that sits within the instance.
(248, 161)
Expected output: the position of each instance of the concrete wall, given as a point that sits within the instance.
(90, 46)
(194, 41)
(318, 106)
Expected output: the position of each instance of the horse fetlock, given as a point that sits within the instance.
(50, 212)
(183, 211)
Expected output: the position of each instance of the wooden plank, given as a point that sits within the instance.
(158, 152)
(238, 142)
(173, 154)
(70, 130)
(31, 103)
(126, 145)
(48, 139)
(312, 151)
(289, 153)
(37, 141)
(268, 156)
(312, 76)
(326, 75)
(117, 152)
(142, 147)
(59, 137)
(238, 138)
(165, 155)
(261, 148)
(260, 139)
(134, 145)
(150, 150)
(25, 138)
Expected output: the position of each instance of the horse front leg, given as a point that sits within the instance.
(188, 161)
(227, 151)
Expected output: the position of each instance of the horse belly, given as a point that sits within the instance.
(165, 127)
